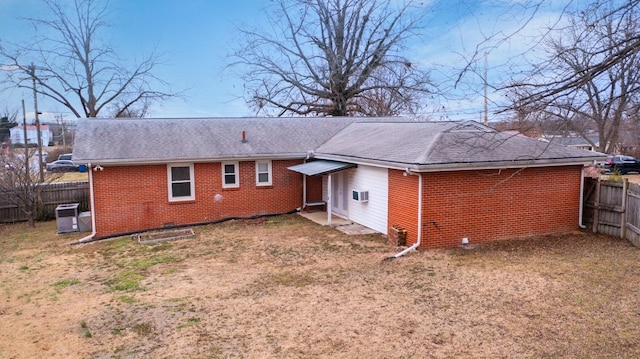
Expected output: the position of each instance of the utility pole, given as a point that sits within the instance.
(35, 105)
(486, 105)
(63, 127)
(26, 146)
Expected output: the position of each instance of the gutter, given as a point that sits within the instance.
(419, 241)
(93, 208)
(460, 166)
(164, 161)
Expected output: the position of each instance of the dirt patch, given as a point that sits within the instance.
(286, 287)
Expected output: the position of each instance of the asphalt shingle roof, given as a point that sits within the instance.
(393, 142)
(441, 144)
(174, 140)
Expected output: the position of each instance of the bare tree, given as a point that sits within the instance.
(7, 121)
(332, 57)
(75, 67)
(580, 83)
(125, 109)
(20, 183)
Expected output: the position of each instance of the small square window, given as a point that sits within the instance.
(230, 177)
(263, 173)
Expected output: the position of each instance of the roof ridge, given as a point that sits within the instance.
(427, 153)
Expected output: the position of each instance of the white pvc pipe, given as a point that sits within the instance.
(417, 244)
(329, 199)
(304, 183)
(93, 207)
(304, 191)
(580, 224)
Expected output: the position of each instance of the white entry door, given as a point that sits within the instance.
(340, 193)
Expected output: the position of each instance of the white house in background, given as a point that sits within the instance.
(17, 135)
(576, 141)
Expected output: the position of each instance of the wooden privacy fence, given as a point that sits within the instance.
(53, 195)
(612, 208)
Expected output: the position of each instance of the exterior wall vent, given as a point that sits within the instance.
(360, 196)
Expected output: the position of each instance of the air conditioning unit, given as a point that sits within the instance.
(360, 196)
(67, 218)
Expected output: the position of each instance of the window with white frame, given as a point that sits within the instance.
(263, 173)
(181, 182)
(230, 175)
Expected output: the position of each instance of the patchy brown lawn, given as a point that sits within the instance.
(287, 288)
(73, 176)
(633, 178)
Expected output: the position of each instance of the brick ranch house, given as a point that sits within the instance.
(440, 181)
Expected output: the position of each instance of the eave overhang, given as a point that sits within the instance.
(462, 166)
(161, 161)
(321, 167)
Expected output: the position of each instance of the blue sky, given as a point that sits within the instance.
(194, 38)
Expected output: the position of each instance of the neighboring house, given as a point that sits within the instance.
(441, 181)
(575, 141)
(17, 135)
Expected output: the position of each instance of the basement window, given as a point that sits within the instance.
(181, 182)
(230, 175)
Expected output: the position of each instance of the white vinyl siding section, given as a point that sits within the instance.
(372, 214)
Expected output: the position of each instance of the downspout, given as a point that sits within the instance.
(580, 213)
(417, 244)
(329, 199)
(304, 182)
(93, 207)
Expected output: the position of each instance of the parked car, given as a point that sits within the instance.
(622, 164)
(61, 166)
(65, 156)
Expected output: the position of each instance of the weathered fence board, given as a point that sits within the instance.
(633, 214)
(612, 208)
(53, 195)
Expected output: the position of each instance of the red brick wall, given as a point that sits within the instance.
(134, 198)
(403, 203)
(487, 205)
(314, 188)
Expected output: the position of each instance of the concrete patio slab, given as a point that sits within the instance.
(339, 223)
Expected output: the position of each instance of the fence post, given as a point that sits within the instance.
(596, 205)
(623, 216)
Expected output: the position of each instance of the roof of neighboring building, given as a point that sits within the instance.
(30, 127)
(444, 145)
(390, 142)
(572, 140)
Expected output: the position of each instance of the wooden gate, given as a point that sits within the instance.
(612, 208)
(633, 214)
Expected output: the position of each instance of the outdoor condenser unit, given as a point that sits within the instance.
(67, 217)
(84, 221)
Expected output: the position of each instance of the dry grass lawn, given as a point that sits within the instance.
(286, 288)
(72, 176)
